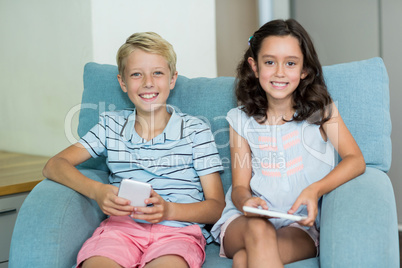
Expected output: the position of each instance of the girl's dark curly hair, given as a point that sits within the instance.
(311, 99)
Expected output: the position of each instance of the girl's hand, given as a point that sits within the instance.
(309, 198)
(110, 203)
(155, 214)
(254, 202)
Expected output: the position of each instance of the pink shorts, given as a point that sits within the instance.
(133, 244)
(312, 232)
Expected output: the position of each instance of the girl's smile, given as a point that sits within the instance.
(279, 85)
(279, 67)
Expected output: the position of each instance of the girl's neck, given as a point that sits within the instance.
(279, 114)
(150, 125)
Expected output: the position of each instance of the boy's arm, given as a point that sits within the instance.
(207, 211)
(61, 168)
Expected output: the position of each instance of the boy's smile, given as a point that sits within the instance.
(149, 96)
(147, 80)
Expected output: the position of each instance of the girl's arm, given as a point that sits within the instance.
(240, 153)
(207, 211)
(61, 168)
(351, 165)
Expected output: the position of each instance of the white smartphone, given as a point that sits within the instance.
(135, 191)
(274, 214)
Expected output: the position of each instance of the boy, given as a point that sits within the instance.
(173, 152)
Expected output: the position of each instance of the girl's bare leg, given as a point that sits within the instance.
(240, 259)
(295, 245)
(254, 241)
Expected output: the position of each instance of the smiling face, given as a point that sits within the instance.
(147, 80)
(280, 67)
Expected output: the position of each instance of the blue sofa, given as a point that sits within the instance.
(358, 221)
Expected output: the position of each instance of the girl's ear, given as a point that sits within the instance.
(253, 66)
(303, 74)
(122, 84)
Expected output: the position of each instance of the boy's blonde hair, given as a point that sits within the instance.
(149, 42)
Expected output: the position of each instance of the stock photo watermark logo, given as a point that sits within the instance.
(220, 131)
(75, 111)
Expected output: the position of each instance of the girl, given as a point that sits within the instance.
(282, 138)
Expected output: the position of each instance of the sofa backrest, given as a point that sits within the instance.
(360, 90)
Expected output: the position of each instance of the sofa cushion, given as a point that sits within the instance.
(366, 84)
(360, 89)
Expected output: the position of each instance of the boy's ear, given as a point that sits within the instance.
(173, 80)
(253, 66)
(122, 84)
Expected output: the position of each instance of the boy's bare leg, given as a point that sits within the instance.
(253, 240)
(295, 244)
(100, 262)
(168, 261)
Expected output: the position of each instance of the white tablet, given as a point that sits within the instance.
(135, 191)
(275, 214)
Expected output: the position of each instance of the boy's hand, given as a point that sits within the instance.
(309, 198)
(110, 203)
(153, 214)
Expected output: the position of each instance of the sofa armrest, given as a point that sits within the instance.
(53, 223)
(359, 225)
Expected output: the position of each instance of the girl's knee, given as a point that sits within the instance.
(260, 227)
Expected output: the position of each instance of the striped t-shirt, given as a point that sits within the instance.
(171, 162)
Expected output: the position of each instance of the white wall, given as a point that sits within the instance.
(342, 30)
(45, 45)
(273, 9)
(391, 52)
(188, 25)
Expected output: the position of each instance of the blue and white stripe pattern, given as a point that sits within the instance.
(172, 161)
